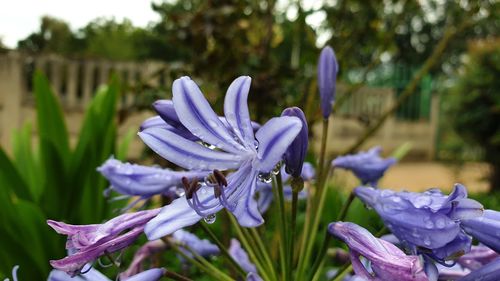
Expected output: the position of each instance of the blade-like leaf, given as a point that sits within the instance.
(11, 181)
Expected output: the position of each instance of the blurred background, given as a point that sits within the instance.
(418, 76)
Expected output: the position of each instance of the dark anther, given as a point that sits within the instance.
(190, 188)
(221, 179)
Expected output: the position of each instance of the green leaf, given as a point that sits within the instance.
(123, 146)
(11, 182)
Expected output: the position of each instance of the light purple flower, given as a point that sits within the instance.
(428, 222)
(88, 242)
(137, 180)
(202, 247)
(296, 152)
(241, 257)
(327, 79)
(237, 148)
(92, 274)
(387, 261)
(489, 272)
(485, 228)
(265, 190)
(368, 166)
(477, 257)
(14, 274)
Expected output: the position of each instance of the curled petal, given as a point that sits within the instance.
(197, 116)
(489, 272)
(166, 111)
(274, 139)
(236, 110)
(188, 154)
(247, 211)
(486, 229)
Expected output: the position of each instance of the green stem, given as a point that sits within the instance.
(176, 276)
(224, 250)
(345, 207)
(278, 193)
(297, 185)
(320, 257)
(342, 272)
(322, 155)
(260, 246)
(250, 250)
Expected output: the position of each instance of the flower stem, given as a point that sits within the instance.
(260, 246)
(342, 272)
(322, 154)
(278, 192)
(345, 207)
(250, 250)
(297, 185)
(175, 276)
(224, 250)
(320, 257)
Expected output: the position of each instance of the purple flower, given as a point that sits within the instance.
(477, 257)
(296, 152)
(145, 252)
(427, 222)
(236, 148)
(265, 190)
(241, 257)
(368, 166)
(202, 247)
(489, 272)
(485, 228)
(327, 79)
(387, 261)
(88, 242)
(153, 274)
(137, 180)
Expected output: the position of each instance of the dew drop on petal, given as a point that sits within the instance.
(421, 201)
(179, 191)
(429, 224)
(427, 241)
(210, 219)
(265, 177)
(440, 223)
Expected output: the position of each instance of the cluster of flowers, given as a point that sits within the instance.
(229, 162)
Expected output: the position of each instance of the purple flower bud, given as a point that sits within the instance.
(368, 166)
(486, 229)
(388, 262)
(489, 272)
(296, 152)
(327, 79)
(88, 242)
(426, 222)
(202, 247)
(132, 179)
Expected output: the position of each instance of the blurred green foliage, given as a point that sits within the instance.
(51, 180)
(475, 102)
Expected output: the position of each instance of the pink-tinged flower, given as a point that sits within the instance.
(387, 262)
(88, 242)
(226, 146)
(368, 166)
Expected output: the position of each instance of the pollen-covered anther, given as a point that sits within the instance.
(190, 188)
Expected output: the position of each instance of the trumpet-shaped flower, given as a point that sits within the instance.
(427, 222)
(368, 166)
(225, 146)
(201, 247)
(137, 180)
(387, 261)
(241, 257)
(88, 242)
(485, 228)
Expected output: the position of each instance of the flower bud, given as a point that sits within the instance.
(296, 152)
(327, 79)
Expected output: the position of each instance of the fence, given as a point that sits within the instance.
(74, 82)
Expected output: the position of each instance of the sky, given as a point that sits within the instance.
(19, 18)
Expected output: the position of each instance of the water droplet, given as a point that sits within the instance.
(427, 241)
(396, 199)
(210, 218)
(386, 193)
(421, 201)
(429, 224)
(208, 145)
(256, 144)
(440, 223)
(265, 177)
(276, 169)
(212, 124)
(179, 191)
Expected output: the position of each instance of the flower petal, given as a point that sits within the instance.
(247, 210)
(187, 154)
(236, 110)
(274, 138)
(489, 272)
(153, 274)
(197, 116)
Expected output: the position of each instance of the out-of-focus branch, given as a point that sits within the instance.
(430, 62)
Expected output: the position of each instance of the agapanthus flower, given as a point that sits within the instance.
(485, 228)
(241, 257)
(477, 257)
(145, 252)
(488, 272)
(93, 274)
(428, 222)
(89, 242)
(137, 180)
(387, 262)
(296, 152)
(265, 190)
(327, 79)
(201, 247)
(368, 166)
(224, 147)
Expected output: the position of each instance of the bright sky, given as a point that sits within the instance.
(19, 18)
